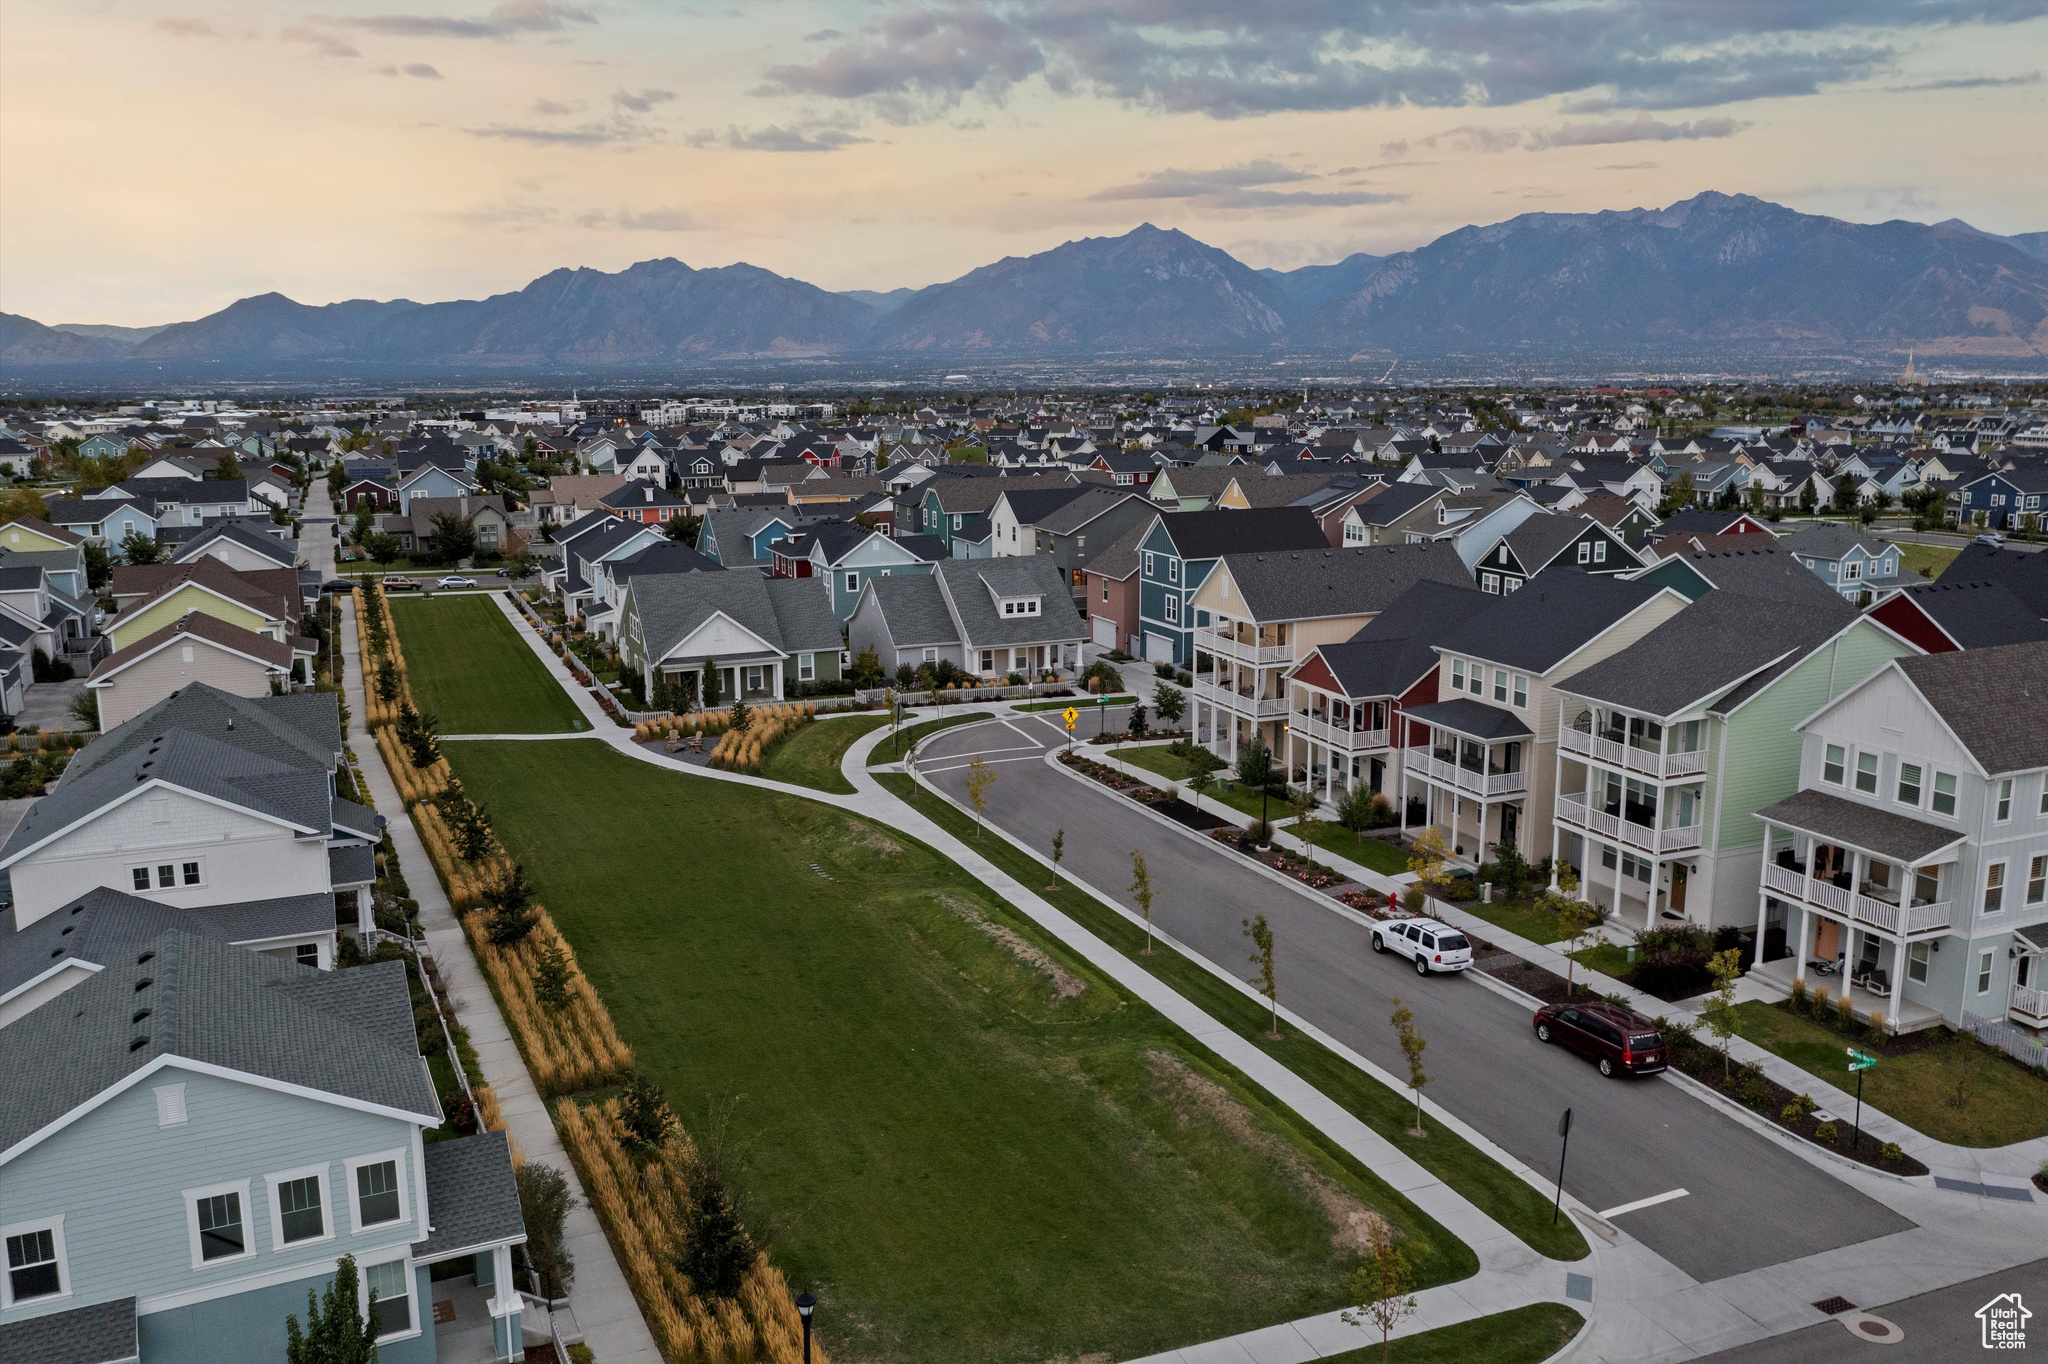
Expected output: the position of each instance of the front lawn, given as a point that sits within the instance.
(1162, 761)
(981, 1146)
(1606, 958)
(2002, 1103)
(1527, 1335)
(811, 756)
(1382, 856)
(1503, 1196)
(1522, 919)
(1927, 559)
(1084, 704)
(892, 749)
(468, 667)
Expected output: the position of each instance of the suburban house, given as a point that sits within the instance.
(2000, 500)
(608, 579)
(104, 521)
(1479, 763)
(570, 496)
(2021, 572)
(646, 501)
(488, 514)
(596, 538)
(264, 1118)
(1390, 515)
(1858, 566)
(1179, 549)
(195, 648)
(762, 636)
(845, 555)
(1704, 522)
(1913, 859)
(1668, 748)
(956, 509)
(149, 597)
(1073, 530)
(1938, 617)
(1109, 593)
(1562, 540)
(1264, 613)
(242, 544)
(1344, 727)
(991, 617)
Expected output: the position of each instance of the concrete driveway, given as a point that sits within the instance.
(1749, 1203)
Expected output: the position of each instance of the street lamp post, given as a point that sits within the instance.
(806, 1303)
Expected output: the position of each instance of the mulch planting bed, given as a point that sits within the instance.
(1201, 821)
(1314, 875)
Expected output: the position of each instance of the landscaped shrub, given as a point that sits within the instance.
(1827, 1134)
(1845, 1012)
(741, 749)
(1891, 1150)
(1671, 963)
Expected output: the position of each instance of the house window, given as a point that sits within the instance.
(1909, 784)
(1599, 551)
(853, 582)
(216, 1227)
(1983, 973)
(2037, 880)
(377, 1198)
(1916, 962)
(141, 875)
(1457, 684)
(1521, 690)
(189, 872)
(1944, 800)
(296, 1209)
(1585, 552)
(1831, 765)
(1500, 684)
(1490, 582)
(931, 655)
(1172, 608)
(2004, 811)
(1354, 534)
(1148, 564)
(1866, 773)
(806, 667)
(1509, 585)
(1852, 569)
(389, 1287)
(988, 660)
(1173, 570)
(35, 1263)
(1994, 888)
(2044, 795)
(1475, 677)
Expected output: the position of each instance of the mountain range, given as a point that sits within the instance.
(1717, 275)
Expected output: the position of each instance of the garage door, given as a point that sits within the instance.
(1158, 648)
(1103, 631)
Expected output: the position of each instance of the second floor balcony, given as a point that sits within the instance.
(1240, 699)
(1629, 825)
(1343, 736)
(1446, 767)
(1860, 864)
(1612, 751)
(1244, 643)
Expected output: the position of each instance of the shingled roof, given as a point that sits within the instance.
(1305, 584)
(1995, 700)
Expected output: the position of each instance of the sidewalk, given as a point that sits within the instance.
(601, 1301)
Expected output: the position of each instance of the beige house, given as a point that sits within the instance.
(195, 648)
(569, 496)
(1258, 615)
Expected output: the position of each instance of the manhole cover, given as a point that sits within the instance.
(1834, 1305)
(1875, 1330)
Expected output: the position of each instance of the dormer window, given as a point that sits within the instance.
(1020, 606)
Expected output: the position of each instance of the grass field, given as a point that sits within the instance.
(1926, 559)
(1527, 1335)
(1509, 1200)
(811, 757)
(2003, 1104)
(1084, 704)
(890, 750)
(468, 667)
(983, 1148)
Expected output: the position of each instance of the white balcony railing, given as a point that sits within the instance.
(1646, 762)
(1640, 836)
(1832, 899)
(1424, 763)
(2030, 1005)
(1337, 737)
(1237, 703)
(1224, 646)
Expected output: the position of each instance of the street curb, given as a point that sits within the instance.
(1813, 1151)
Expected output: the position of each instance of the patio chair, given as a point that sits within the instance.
(697, 742)
(673, 744)
(1878, 983)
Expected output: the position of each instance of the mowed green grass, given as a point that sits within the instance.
(893, 748)
(1526, 1335)
(812, 755)
(975, 1146)
(469, 668)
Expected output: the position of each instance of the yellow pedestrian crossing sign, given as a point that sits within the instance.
(1070, 715)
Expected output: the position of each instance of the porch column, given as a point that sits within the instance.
(1763, 906)
(1804, 938)
(366, 919)
(1619, 852)
(1898, 979)
(1555, 853)
(1329, 773)
(1650, 900)
(505, 1304)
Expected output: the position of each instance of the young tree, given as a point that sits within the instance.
(1429, 860)
(1356, 811)
(646, 1119)
(381, 548)
(1413, 1044)
(1261, 934)
(551, 977)
(1059, 850)
(1255, 770)
(1201, 781)
(1301, 803)
(716, 1251)
(980, 776)
(1576, 920)
(544, 1205)
(227, 466)
(867, 669)
(1510, 869)
(336, 1331)
(1380, 1289)
(711, 684)
(137, 548)
(1719, 1013)
(1141, 891)
(452, 537)
(416, 732)
(510, 900)
(1170, 702)
(99, 567)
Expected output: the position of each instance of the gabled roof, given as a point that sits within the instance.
(666, 556)
(1771, 573)
(1394, 501)
(1307, 584)
(1862, 826)
(345, 1033)
(1120, 560)
(1994, 700)
(1551, 618)
(1832, 540)
(45, 528)
(1977, 615)
(975, 588)
(1393, 652)
(270, 592)
(274, 655)
(1696, 521)
(914, 609)
(102, 1333)
(791, 615)
(1540, 539)
(1032, 505)
(2021, 572)
(1214, 533)
(475, 1199)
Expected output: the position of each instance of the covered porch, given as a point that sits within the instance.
(1467, 778)
(755, 677)
(473, 1201)
(1913, 1016)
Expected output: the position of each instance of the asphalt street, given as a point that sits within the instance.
(1940, 1327)
(1748, 1203)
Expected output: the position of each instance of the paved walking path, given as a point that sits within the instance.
(601, 1301)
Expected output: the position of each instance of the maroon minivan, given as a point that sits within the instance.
(1619, 1041)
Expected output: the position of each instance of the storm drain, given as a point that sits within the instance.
(1834, 1306)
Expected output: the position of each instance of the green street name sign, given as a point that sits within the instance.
(1860, 1060)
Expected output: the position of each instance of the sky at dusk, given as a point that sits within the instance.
(159, 160)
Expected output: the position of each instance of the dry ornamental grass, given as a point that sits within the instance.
(573, 1048)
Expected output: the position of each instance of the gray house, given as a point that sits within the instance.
(191, 1140)
(763, 635)
(991, 617)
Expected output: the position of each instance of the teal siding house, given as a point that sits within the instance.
(1177, 552)
(190, 1140)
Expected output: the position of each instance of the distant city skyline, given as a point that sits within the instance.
(160, 160)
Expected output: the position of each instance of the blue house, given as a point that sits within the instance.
(1998, 501)
(845, 555)
(1854, 565)
(106, 520)
(192, 1138)
(1176, 553)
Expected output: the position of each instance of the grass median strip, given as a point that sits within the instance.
(469, 668)
(811, 757)
(987, 1149)
(1492, 1187)
(892, 749)
(1526, 1335)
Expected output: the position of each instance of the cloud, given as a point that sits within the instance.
(552, 108)
(823, 35)
(777, 139)
(1642, 129)
(643, 101)
(1233, 61)
(1632, 165)
(1240, 186)
(1394, 148)
(188, 28)
(323, 44)
(503, 21)
(1472, 137)
(1966, 83)
(655, 220)
(601, 133)
(418, 69)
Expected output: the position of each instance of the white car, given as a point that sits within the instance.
(1431, 945)
(456, 581)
